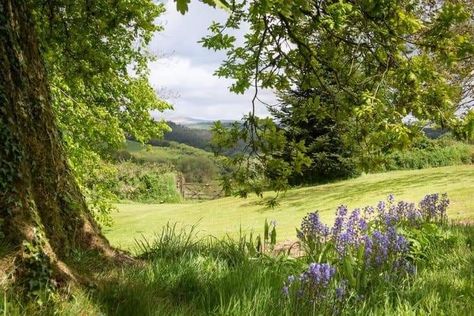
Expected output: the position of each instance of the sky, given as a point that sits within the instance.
(183, 73)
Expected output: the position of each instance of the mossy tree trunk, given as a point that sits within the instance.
(38, 193)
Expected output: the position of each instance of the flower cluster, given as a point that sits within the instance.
(312, 226)
(365, 246)
(362, 244)
(433, 208)
(313, 282)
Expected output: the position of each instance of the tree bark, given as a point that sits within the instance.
(38, 192)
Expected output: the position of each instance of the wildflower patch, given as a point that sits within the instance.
(364, 248)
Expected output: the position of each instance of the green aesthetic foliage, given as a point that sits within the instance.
(96, 57)
(145, 182)
(194, 164)
(365, 65)
(464, 127)
(182, 5)
(38, 274)
(331, 157)
(426, 153)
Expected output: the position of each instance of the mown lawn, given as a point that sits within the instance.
(229, 215)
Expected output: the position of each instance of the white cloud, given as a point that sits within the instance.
(187, 68)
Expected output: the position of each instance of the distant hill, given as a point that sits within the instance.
(195, 164)
(196, 123)
(192, 132)
(195, 137)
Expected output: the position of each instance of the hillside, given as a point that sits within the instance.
(194, 133)
(195, 164)
(228, 215)
(170, 151)
(196, 136)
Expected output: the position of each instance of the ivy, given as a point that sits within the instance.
(38, 273)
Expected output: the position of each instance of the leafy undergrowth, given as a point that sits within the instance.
(183, 275)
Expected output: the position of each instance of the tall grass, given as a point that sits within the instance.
(220, 278)
(179, 275)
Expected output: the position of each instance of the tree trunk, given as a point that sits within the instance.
(39, 197)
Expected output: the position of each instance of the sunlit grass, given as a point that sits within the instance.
(205, 278)
(229, 215)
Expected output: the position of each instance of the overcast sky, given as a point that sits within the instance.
(185, 69)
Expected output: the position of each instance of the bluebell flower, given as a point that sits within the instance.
(341, 290)
(381, 207)
(339, 221)
(313, 227)
(391, 198)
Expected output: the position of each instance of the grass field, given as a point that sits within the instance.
(172, 153)
(229, 215)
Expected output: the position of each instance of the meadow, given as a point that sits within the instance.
(232, 215)
(363, 170)
(426, 269)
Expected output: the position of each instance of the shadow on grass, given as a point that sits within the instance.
(193, 285)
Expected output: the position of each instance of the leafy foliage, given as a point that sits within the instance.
(96, 56)
(38, 274)
(331, 157)
(145, 182)
(182, 5)
(367, 66)
(426, 153)
(464, 127)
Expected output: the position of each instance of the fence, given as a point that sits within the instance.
(198, 191)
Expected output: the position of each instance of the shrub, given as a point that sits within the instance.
(197, 169)
(146, 182)
(428, 153)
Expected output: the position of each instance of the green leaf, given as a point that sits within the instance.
(182, 5)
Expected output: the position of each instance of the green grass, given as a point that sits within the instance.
(219, 278)
(159, 154)
(229, 215)
(195, 164)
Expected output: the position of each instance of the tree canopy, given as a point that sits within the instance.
(96, 56)
(368, 65)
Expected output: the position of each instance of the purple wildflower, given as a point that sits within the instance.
(339, 221)
(368, 245)
(291, 279)
(341, 290)
(313, 227)
(381, 207)
(391, 198)
(319, 274)
(434, 208)
(363, 226)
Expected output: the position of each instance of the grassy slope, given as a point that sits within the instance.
(164, 154)
(227, 215)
